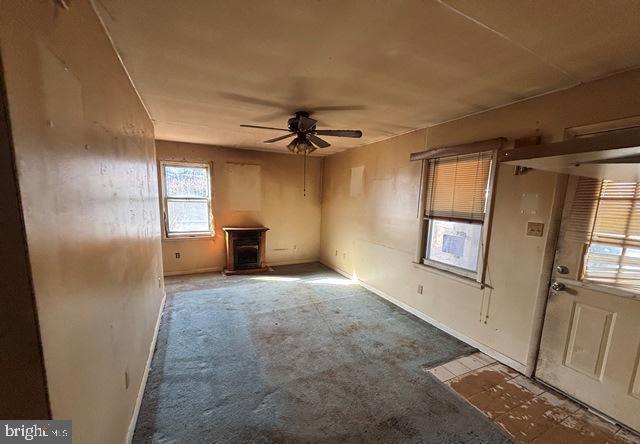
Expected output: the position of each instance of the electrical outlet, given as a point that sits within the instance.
(535, 229)
(336, 253)
(177, 255)
(419, 289)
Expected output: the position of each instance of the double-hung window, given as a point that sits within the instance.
(606, 216)
(186, 195)
(457, 200)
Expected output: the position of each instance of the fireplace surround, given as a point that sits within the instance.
(245, 250)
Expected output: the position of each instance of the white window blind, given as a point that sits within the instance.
(579, 223)
(458, 186)
(606, 215)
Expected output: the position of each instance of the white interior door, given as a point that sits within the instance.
(590, 345)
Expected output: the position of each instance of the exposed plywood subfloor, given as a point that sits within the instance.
(528, 411)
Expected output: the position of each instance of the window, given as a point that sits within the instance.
(606, 217)
(457, 197)
(186, 189)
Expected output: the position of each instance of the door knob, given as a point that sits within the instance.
(557, 286)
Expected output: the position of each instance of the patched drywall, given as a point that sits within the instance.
(250, 188)
(86, 166)
(373, 235)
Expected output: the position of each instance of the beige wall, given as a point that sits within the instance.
(375, 234)
(86, 167)
(292, 218)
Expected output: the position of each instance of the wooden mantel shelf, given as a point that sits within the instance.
(227, 229)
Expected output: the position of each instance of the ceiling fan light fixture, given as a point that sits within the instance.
(301, 145)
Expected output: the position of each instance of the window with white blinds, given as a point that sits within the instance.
(458, 186)
(455, 208)
(606, 215)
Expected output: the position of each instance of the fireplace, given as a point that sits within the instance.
(245, 249)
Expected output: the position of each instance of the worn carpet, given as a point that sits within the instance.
(299, 355)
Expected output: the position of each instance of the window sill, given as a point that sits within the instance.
(187, 237)
(615, 291)
(450, 275)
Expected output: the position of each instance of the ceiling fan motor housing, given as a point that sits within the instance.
(294, 122)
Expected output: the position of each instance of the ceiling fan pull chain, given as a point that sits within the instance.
(304, 176)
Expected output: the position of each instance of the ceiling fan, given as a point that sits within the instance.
(306, 134)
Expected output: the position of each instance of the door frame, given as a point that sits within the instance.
(559, 211)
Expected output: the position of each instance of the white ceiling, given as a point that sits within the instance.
(204, 67)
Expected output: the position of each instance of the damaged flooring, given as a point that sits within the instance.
(530, 412)
(299, 355)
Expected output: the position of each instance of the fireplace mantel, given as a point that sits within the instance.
(245, 250)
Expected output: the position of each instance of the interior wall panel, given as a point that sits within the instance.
(85, 160)
(374, 236)
(250, 188)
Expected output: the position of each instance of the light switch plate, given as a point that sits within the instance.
(535, 229)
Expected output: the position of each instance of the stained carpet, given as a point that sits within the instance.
(299, 355)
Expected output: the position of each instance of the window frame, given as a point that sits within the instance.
(165, 200)
(426, 222)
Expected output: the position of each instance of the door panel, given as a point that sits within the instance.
(589, 339)
(590, 346)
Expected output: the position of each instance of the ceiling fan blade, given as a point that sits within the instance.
(340, 133)
(279, 138)
(253, 100)
(277, 115)
(318, 141)
(305, 123)
(265, 127)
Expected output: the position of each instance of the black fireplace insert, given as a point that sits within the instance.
(246, 253)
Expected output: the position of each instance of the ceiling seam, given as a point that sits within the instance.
(510, 40)
(118, 55)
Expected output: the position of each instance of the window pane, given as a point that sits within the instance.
(605, 249)
(186, 181)
(188, 216)
(613, 265)
(454, 243)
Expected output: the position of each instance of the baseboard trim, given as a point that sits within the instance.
(194, 271)
(216, 269)
(293, 262)
(456, 334)
(145, 375)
